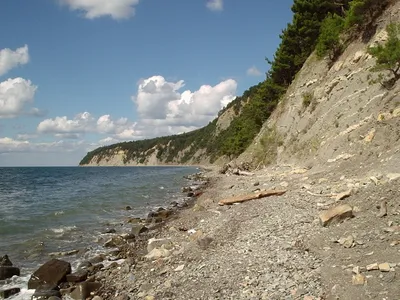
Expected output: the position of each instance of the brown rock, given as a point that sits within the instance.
(335, 214)
(52, 272)
(5, 261)
(84, 290)
(372, 267)
(77, 276)
(7, 293)
(384, 267)
(358, 279)
(8, 272)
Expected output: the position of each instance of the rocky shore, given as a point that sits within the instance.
(333, 234)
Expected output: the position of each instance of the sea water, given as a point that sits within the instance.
(54, 209)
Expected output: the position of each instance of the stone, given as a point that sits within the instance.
(84, 289)
(335, 214)
(133, 220)
(347, 242)
(138, 229)
(158, 253)
(157, 243)
(358, 279)
(109, 230)
(8, 272)
(384, 267)
(52, 272)
(78, 276)
(45, 291)
(54, 298)
(343, 195)
(372, 267)
(356, 270)
(357, 56)
(204, 242)
(393, 176)
(396, 112)
(128, 207)
(115, 241)
(384, 117)
(64, 253)
(149, 297)
(198, 207)
(7, 293)
(98, 298)
(370, 136)
(5, 261)
(257, 183)
(179, 268)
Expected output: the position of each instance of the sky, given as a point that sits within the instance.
(79, 74)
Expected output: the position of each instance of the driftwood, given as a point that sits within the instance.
(244, 198)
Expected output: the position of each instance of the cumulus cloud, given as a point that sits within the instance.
(82, 123)
(9, 145)
(116, 9)
(10, 59)
(160, 103)
(253, 71)
(15, 95)
(215, 5)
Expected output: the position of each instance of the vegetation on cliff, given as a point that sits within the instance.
(316, 24)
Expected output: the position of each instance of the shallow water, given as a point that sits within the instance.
(52, 209)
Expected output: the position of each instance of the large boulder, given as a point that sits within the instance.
(52, 272)
(8, 272)
(78, 276)
(7, 293)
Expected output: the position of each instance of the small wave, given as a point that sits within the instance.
(161, 188)
(57, 213)
(22, 283)
(62, 230)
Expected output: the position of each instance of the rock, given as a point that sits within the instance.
(45, 291)
(356, 270)
(54, 298)
(52, 272)
(335, 214)
(383, 209)
(393, 176)
(5, 261)
(347, 242)
(84, 290)
(158, 243)
(115, 241)
(343, 195)
(357, 56)
(198, 207)
(8, 272)
(95, 268)
(370, 136)
(109, 230)
(7, 293)
(384, 117)
(84, 265)
(179, 268)
(204, 242)
(384, 267)
(78, 276)
(128, 207)
(358, 279)
(284, 184)
(149, 298)
(372, 267)
(257, 183)
(64, 253)
(133, 220)
(158, 253)
(138, 229)
(396, 112)
(99, 298)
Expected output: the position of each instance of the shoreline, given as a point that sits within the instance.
(114, 252)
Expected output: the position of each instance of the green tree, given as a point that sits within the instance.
(388, 55)
(329, 40)
(363, 11)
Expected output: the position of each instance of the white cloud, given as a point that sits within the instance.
(253, 71)
(215, 5)
(9, 145)
(10, 59)
(160, 104)
(116, 9)
(81, 123)
(15, 95)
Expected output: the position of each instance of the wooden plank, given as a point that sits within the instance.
(248, 197)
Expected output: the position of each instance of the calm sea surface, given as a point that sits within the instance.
(52, 209)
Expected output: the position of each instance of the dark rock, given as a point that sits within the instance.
(67, 291)
(186, 189)
(174, 203)
(54, 298)
(138, 229)
(52, 272)
(7, 293)
(97, 259)
(190, 194)
(5, 261)
(109, 230)
(128, 207)
(84, 289)
(45, 291)
(77, 276)
(95, 268)
(115, 242)
(8, 272)
(160, 213)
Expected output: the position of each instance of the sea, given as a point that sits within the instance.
(56, 209)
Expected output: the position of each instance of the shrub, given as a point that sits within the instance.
(329, 42)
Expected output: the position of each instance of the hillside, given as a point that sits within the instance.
(314, 75)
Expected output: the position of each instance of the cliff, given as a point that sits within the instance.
(331, 111)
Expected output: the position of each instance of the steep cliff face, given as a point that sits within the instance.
(334, 114)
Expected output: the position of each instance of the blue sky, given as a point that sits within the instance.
(78, 74)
